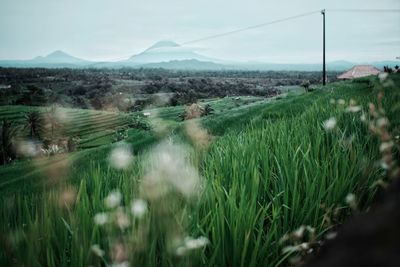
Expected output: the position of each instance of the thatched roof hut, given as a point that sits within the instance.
(359, 71)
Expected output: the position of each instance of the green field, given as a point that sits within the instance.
(270, 168)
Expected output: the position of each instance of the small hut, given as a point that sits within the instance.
(359, 71)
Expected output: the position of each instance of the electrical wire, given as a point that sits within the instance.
(249, 27)
(365, 10)
(286, 19)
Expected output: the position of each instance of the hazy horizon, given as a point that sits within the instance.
(109, 30)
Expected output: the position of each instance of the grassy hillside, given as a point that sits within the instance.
(271, 167)
(96, 130)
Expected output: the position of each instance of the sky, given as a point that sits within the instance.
(117, 29)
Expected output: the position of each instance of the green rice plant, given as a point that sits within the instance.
(263, 177)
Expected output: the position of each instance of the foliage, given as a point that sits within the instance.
(306, 85)
(121, 133)
(7, 135)
(139, 122)
(133, 89)
(263, 178)
(34, 124)
(208, 110)
(73, 143)
(32, 95)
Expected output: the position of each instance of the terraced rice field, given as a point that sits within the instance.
(96, 129)
(270, 167)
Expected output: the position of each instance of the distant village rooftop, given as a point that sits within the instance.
(359, 71)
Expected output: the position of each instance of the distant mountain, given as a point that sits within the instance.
(165, 51)
(57, 59)
(170, 55)
(189, 64)
(60, 57)
(164, 43)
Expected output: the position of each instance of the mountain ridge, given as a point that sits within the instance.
(170, 55)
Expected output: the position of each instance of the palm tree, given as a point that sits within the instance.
(34, 123)
(7, 135)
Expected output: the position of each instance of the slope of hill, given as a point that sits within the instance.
(187, 64)
(170, 55)
(60, 57)
(272, 169)
(165, 51)
(56, 59)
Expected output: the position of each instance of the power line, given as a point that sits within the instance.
(241, 29)
(250, 27)
(290, 18)
(283, 20)
(365, 10)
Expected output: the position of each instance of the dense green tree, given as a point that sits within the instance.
(34, 124)
(7, 135)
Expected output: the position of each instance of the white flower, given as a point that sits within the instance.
(310, 229)
(382, 76)
(386, 146)
(113, 199)
(351, 200)
(121, 264)
(353, 109)
(190, 244)
(121, 157)
(101, 218)
(122, 219)
(299, 232)
(363, 117)
(332, 101)
(169, 168)
(331, 235)
(382, 122)
(97, 250)
(139, 207)
(197, 243)
(181, 251)
(384, 165)
(330, 124)
(341, 102)
(304, 246)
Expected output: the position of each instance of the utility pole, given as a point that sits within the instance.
(323, 52)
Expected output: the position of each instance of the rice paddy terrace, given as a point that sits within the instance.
(271, 166)
(96, 128)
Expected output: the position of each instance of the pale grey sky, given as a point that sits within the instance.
(117, 29)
